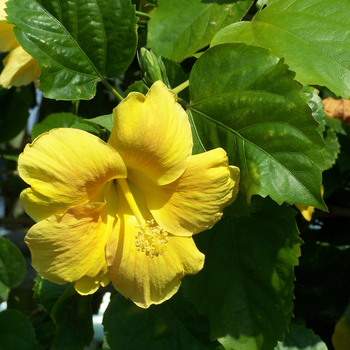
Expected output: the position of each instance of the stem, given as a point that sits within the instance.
(144, 14)
(112, 89)
(181, 87)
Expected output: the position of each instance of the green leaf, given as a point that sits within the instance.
(12, 267)
(14, 106)
(245, 100)
(246, 285)
(316, 105)
(55, 120)
(47, 293)
(73, 316)
(179, 28)
(312, 35)
(77, 43)
(16, 331)
(175, 324)
(300, 337)
(332, 148)
(105, 121)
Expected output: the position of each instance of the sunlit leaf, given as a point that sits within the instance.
(312, 35)
(300, 337)
(246, 286)
(55, 120)
(246, 101)
(179, 28)
(76, 43)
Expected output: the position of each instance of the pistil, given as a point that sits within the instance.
(151, 238)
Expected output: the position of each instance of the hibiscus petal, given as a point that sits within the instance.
(152, 134)
(65, 168)
(143, 279)
(19, 69)
(195, 201)
(7, 38)
(71, 247)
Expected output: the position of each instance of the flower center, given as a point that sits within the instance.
(151, 237)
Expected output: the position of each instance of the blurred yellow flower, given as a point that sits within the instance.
(125, 210)
(19, 67)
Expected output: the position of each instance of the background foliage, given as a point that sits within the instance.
(257, 74)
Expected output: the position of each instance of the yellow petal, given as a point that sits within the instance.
(143, 279)
(195, 201)
(152, 134)
(306, 211)
(65, 168)
(7, 38)
(19, 69)
(71, 247)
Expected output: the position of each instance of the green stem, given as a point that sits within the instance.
(142, 14)
(112, 89)
(181, 87)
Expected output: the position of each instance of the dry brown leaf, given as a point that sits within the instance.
(339, 109)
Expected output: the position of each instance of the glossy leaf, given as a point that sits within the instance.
(16, 331)
(12, 267)
(246, 286)
(174, 325)
(300, 337)
(312, 35)
(246, 101)
(179, 28)
(76, 43)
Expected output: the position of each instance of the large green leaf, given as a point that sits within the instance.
(179, 28)
(73, 316)
(246, 101)
(12, 267)
(246, 286)
(77, 43)
(312, 35)
(175, 325)
(16, 331)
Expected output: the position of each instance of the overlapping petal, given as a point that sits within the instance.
(152, 134)
(195, 201)
(146, 280)
(19, 69)
(66, 168)
(71, 247)
(7, 38)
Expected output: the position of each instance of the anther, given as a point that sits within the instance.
(151, 239)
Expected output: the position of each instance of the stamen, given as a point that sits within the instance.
(151, 238)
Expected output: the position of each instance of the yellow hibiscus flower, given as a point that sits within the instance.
(125, 210)
(19, 67)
